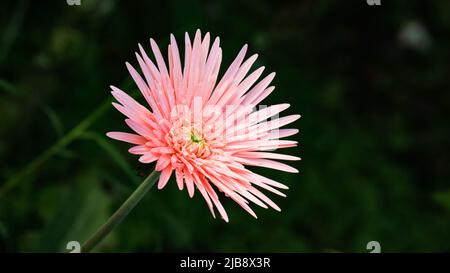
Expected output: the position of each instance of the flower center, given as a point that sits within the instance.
(196, 138)
(188, 139)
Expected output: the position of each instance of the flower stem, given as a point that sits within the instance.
(121, 213)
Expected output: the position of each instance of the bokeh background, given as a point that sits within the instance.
(371, 82)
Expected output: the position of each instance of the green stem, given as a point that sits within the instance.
(121, 213)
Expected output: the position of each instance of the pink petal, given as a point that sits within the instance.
(164, 177)
(189, 183)
(127, 137)
(148, 158)
(266, 163)
(266, 155)
(179, 178)
(280, 133)
(138, 150)
(258, 90)
(139, 128)
(162, 163)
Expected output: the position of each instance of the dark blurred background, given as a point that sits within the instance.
(371, 82)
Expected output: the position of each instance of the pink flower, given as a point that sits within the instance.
(203, 130)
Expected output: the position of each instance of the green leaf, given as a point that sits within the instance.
(54, 120)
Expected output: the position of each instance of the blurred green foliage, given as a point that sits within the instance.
(370, 82)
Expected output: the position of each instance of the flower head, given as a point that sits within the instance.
(206, 130)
